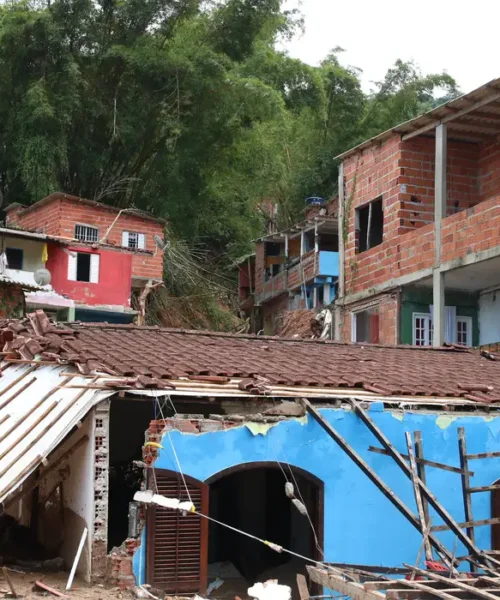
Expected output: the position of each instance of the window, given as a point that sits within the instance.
(457, 329)
(464, 331)
(422, 329)
(14, 258)
(134, 240)
(83, 266)
(85, 233)
(369, 225)
(365, 326)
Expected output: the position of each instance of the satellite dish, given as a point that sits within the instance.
(162, 244)
(42, 276)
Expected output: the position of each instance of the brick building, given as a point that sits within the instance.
(98, 256)
(293, 269)
(419, 206)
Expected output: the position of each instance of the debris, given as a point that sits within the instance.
(215, 585)
(46, 588)
(148, 497)
(77, 558)
(142, 592)
(302, 587)
(286, 409)
(9, 582)
(270, 590)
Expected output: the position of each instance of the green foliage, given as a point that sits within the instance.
(184, 108)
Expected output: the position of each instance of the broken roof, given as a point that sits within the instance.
(152, 357)
(472, 117)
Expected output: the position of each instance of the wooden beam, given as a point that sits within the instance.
(478, 523)
(462, 452)
(483, 455)
(422, 461)
(459, 583)
(406, 594)
(485, 488)
(452, 117)
(418, 497)
(346, 588)
(302, 587)
(368, 471)
(419, 456)
(428, 495)
(429, 590)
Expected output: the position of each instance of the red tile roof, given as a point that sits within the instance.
(154, 356)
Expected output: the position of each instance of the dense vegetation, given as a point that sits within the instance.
(184, 108)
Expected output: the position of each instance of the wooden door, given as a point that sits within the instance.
(177, 544)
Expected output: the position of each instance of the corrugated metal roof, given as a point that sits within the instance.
(471, 117)
(36, 412)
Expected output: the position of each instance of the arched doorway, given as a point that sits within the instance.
(251, 497)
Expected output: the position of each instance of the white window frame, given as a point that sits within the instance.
(90, 233)
(73, 267)
(427, 318)
(140, 240)
(429, 328)
(468, 330)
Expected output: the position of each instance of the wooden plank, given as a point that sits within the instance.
(467, 500)
(418, 497)
(483, 455)
(18, 379)
(411, 594)
(368, 471)
(485, 488)
(419, 457)
(459, 583)
(429, 590)
(429, 496)
(9, 582)
(478, 523)
(46, 588)
(302, 587)
(421, 461)
(346, 588)
(394, 584)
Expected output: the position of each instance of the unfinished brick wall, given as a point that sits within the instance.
(489, 170)
(417, 164)
(408, 238)
(388, 310)
(273, 313)
(101, 490)
(59, 216)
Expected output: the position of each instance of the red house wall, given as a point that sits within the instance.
(115, 272)
(59, 216)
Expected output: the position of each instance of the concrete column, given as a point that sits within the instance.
(440, 194)
(315, 297)
(286, 246)
(302, 243)
(340, 286)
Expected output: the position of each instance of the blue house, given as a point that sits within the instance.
(292, 452)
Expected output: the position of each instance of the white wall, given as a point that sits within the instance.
(32, 258)
(78, 491)
(489, 318)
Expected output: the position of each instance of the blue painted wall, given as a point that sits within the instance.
(328, 263)
(361, 525)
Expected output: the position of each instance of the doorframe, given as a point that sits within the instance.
(319, 526)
